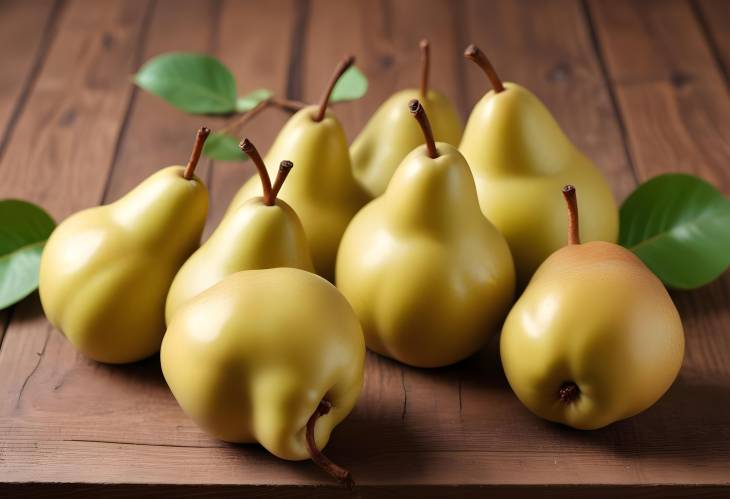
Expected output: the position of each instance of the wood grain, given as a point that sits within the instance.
(25, 31)
(714, 15)
(116, 431)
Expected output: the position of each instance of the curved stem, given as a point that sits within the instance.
(473, 53)
(195, 155)
(572, 201)
(320, 459)
(248, 148)
(246, 117)
(417, 111)
(288, 104)
(343, 66)
(284, 168)
(425, 62)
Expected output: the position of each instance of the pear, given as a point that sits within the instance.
(427, 274)
(594, 338)
(264, 232)
(520, 157)
(324, 192)
(278, 358)
(105, 271)
(392, 133)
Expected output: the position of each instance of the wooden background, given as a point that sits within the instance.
(642, 87)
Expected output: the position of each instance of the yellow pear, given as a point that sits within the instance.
(273, 356)
(427, 274)
(392, 133)
(324, 192)
(105, 271)
(594, 338)
(263, 232)
(520, 157)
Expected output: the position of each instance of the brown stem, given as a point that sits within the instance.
(568, 392)
(417, 111)
(246, 117)
(248, 148)
(284, 168)
(320, 459)
(195, 155)
(425, 62)
(288, 104)
(572, 201)
(473, 53)
(343, 66)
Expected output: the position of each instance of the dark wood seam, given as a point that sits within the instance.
(709, 39)
(142, 44)
(296, 53)
(603, 68)
(459, 21)
(49, 34)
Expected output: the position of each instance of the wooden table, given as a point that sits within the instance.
(642, 87)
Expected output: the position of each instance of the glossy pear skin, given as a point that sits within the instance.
(392, 133)
(266, 346)
(323, 191)
(254, 236)
(520, 158)
(105, 271)
(595, 315)
(429, 277)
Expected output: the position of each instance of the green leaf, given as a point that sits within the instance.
(351, 86)
(679, 225)
(223, 147)
(194, 83)
(251, 100)
(24, 229)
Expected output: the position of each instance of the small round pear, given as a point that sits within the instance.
(264, 232)
(594, 338)
(274, 356)
(391, 133)
(427, 274)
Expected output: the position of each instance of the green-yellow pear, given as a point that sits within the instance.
(594, 338)
(427, 274)
(324, 192)
(264, 232)
(520, 157)
(392, 133)
(264, 355)
(105, 271)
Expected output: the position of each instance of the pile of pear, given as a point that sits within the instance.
(412, 242)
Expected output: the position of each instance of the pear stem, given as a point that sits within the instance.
(473, 53)
(418, 112)
(320, 459)
(247, 116)
(248, 148)
(425, 64)
(343, 66)
(284, 168)
(195, 155)
(573, 227)
(287, 104)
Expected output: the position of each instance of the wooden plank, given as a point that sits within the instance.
(260, 61)
(674, 103)
(25, 30)
(714, 16)
(672, 96)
